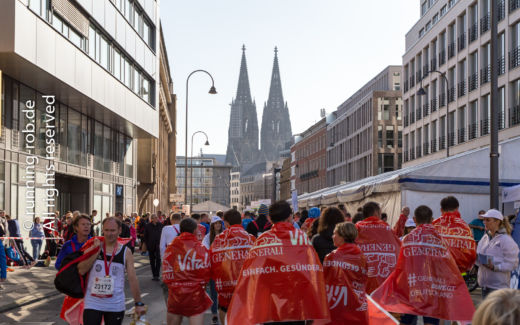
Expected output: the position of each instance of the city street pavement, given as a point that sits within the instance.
(29, 297)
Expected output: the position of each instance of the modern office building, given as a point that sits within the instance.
(365, 138)
(234, 190)
(308, 159)
(208, 179)
(453, 38)
(97, 63)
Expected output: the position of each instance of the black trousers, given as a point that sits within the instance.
(155, 261)
(94, 317)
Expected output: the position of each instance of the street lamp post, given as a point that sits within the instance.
(422, 92)
(191, 162)
(212, 91)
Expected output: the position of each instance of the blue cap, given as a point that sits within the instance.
(263, 210)
(314, 213)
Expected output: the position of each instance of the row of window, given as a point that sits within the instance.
(76, 134)
(464, 124)
(101, 50)
(137, 19)
(352, 147)
(429, 24)
(114, 61)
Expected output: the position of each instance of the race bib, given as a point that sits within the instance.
(103, 287)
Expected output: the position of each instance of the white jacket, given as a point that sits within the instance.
(504, 252)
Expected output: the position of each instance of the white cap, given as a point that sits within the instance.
(492, 213)
(409, 223)
(215, 219)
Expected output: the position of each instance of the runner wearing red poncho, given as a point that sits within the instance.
(282, 277)
(228, 253)
(379, 244)
(346, 278)
(186, 270)
(426, 281)
(456, 234)
(400, 224)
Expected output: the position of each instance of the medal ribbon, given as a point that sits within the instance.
(107, 266)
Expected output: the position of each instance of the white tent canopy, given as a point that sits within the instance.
(464, 175)
(208, 207)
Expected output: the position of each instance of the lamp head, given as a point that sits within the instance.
(212, 90)
(207, 143)
(421, 92)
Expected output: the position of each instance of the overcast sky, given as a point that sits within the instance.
(328, 49)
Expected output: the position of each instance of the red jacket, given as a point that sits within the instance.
(186, 270)
(228, 253)
(381, 248)
(281, 279)
(346, 278)
(399, 226)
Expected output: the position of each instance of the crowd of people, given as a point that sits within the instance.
(273, 266)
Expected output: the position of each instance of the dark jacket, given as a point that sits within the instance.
(125, 231)
(152, 236)
(262, 223)
(323, 243)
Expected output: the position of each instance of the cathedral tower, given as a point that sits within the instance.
(276, 124)
(242, 146)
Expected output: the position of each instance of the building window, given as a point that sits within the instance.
(389, 136)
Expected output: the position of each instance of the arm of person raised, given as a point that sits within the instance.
(86, 265)
(134, 284)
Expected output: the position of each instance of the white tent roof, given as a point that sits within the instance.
(467, 172)
(208, 206)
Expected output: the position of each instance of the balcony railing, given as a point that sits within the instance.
(405, 85)
(473, 81)
(473, 129)
(418, 76)
(442, 57)
(418, 113)
(501, 14)
(433, 64)
(484, 127)
(485, 23)
(442, 100)
(405, 120)
(514, 115)
(461, 88)
(442, 142)
(425, 148)
(433, 104)
(451, 139)
(514, 58)
(405, 156)
(513, 5)
(473, 32)
(485, 75)
(501, 65)
(461, 42)
(451, 50)
(412, 81)
(425, 70)
(426, 109)
(434, 145)
(412, 117)
(451, 94)
(412, 153)
(461, 135)
(419, 152)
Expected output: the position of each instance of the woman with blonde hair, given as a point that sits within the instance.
(501, 307)
(497, 253)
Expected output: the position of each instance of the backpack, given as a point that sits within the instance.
(68, 280)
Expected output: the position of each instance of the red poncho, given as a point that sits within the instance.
(186, 270)
(381, 248)
(281, 280)
(458, 238)
(345, 271)
(228, 253)
(201, 232)
(399, 226)
(72, 308)
(426, 280)
(307, 224)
